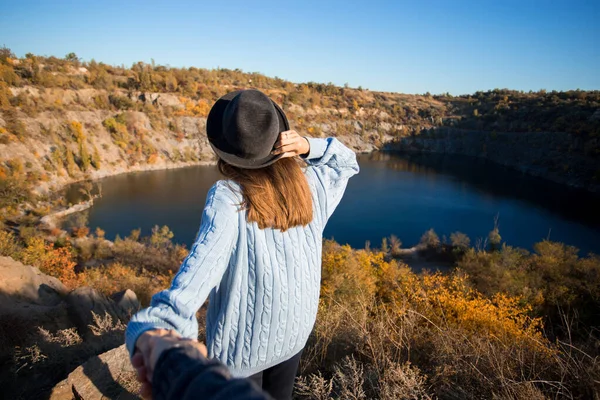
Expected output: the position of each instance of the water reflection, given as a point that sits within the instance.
(492, 180)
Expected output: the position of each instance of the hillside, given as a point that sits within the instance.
(64, 120)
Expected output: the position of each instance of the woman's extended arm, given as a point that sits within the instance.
(199, 273)
(334, 165)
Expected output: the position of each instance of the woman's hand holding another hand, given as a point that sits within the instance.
(149, 346)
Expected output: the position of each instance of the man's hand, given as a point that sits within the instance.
(141, 358)
(291, 144)
(149, 346)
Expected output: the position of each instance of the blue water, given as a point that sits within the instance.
(393, 194)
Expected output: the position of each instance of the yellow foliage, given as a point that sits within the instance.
(347, 274)
(56, 262)
(8, 244)
(199, 109)
(117, 277)
(448, 300)
(77, 130)
(152, 158)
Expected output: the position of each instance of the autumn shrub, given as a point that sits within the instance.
(395, 245)
(14, 191)
(155, 253)
(430, 240)
(5, 95)
(58, 262)
(460, 241)
(85, 248)
(80, 232)
(102, 102)
(118, 131)
(194, 109)
(460, 343)
(103, 249)
(117, 277)
(8, 244)
(553, 280)
(120, 102)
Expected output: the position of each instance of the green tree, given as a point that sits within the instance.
(494, 239)
(395, 245)
(96, 158)
(84, 156)
(72, 57)
(430, 239)
(460, 241)
(70, 161)
(161, 237)
(385, 247)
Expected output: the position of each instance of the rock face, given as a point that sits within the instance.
(559, 157)
(83, 302)
(27, 284)
(109, 375)
(30, 300)
(35, 299)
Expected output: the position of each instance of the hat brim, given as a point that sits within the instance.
(214, 131)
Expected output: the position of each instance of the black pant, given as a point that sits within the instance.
(279, 380)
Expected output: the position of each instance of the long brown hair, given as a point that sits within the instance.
(276, 196)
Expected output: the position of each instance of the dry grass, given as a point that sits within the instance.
(407, 336)
(106, 324)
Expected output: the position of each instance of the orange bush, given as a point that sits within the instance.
(152, 158)
(57, 262)
(199, 109)
(80, 232)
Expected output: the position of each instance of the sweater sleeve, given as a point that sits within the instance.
(334, 164)
(182, 373)
(199, 273)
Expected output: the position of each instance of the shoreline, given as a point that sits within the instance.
(98, 175)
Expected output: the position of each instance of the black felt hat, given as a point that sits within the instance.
(243, 126)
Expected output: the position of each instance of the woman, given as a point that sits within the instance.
(258, 251)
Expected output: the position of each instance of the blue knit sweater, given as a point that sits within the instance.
(263, 283)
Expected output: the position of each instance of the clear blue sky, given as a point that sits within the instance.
(402, 46)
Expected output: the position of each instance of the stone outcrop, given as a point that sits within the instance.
(31, 297)
(30, 300)
(84, 302)
(27, 284)
(109, 375)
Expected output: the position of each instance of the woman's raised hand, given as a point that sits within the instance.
(291, 144)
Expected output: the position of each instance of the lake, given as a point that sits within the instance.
(404, 195)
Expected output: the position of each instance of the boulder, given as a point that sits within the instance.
(23, 283)
(108, 375)
(84, 301)
(126, 302)
(28, 299)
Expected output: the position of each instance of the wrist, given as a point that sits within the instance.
(306, 148)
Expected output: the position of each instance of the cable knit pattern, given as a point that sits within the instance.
(263, 284)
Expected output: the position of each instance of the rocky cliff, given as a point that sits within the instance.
(79, 142)
(561, 157)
